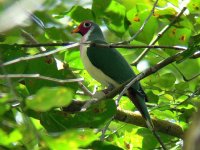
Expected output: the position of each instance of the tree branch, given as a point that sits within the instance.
(135, 119)
(196, 55)
(97, 45)
(160, 125)
(38, 76)
(138, 46)
(43, 44)
(39, 55)
(159, 36)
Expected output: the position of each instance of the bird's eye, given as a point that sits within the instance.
(87, 24)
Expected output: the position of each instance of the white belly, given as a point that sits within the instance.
(96, 73)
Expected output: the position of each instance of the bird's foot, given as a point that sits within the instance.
(88, 104)
(96, 97)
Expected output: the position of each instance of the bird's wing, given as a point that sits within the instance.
(113, 64)
(110, 62)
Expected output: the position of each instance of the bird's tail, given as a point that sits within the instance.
(139, 102)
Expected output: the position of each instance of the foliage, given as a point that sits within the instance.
(31, 115)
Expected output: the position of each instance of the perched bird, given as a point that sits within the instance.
(108, 66)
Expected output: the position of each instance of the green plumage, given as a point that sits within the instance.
(109, 67)
(110, 62)
(113, 64)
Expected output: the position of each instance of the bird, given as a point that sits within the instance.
(109, 67)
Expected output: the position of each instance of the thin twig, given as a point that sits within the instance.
(85, 89)
(196, 55)
(30, 39)
(44, 44)
(159, 139)
(39, 55)
(99, 45)
(137, 46)
(159, 36)
(38, 76)
(105, 128)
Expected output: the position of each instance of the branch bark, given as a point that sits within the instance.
(38, 76)
(135, 119)
(160, 125)
(39, 55)
(113, 45)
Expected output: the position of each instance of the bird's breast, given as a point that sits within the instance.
(95, 72)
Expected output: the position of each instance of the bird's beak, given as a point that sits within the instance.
(76, 30)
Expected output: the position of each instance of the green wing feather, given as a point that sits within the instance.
(113, 64)
(110, 62)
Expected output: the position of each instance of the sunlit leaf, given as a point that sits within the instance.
(194, 6)
(99, 145)
(194, 45)
(79, 14)
(47, 67)
(11, 138)
(137, 16)
(47, 98)
(93, 117)
(113, 13)
(72, 139)
(175, 36)
(166, 80)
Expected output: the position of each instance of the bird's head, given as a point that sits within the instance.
(84, 27)
(89, 30)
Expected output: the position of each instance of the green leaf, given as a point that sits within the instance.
(22, 90)
(79, 14)
(187, 110)
(166, 80)
(47, 98)
(47, 67)
(73, 59)
(99, 145)
(166, 115)
(93, 117)
(137, 16)
(138, 138)
(175, 37)
(73, 139)
(113, 14)
(4, 108)
(10, 52)
(194, 45)
(182, 86)
(11, 138)
(125, 103)
(54, 33)
(97, 114)
(194, 6)
(153, 98)
(2, 37)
